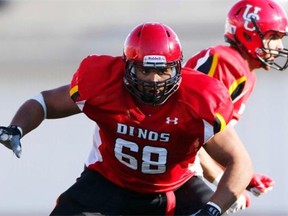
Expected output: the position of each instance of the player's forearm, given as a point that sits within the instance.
(29, 116)
(228, 150)
(232, 184)
(50, 104)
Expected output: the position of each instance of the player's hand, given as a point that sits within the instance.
(241, 203)
(208, 210)
(10, 137)
(260, 184)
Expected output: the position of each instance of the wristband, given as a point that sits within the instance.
(40, 99)
(18, 128)
(215, 206)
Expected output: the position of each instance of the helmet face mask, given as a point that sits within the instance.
(152, 92)
(274, 56)
(251, 23)
(152, 48)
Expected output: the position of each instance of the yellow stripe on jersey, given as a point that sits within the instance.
(213, 65)
(74, 93)
(73, 90)
(220, 123)
(236, 83)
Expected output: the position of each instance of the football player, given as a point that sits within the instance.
(152, 117)
(254, 33)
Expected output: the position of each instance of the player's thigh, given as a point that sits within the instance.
(90, 193)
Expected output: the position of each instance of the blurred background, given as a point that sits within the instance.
(41, 45)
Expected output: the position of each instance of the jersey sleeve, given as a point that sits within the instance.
(217, 63)
(210, 101)
(219, 108)
(94, 75)
(225, 64)
(78, 78)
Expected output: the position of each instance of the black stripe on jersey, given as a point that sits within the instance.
(75, 96)
(237, 91)
(205, 68)
(217, 125)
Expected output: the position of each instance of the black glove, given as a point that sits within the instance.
(208, 210)
(10, 137)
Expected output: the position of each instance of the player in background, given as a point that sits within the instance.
(152, 117)
(254, 33)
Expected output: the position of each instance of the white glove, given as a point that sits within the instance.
(10, 137)
(241, 203)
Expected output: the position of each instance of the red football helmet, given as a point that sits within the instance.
(249, 22)
(152, 45)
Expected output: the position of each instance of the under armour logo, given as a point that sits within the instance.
(169, 120)
(247, 15)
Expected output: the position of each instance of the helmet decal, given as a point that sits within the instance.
(248, 16)
(154, 61)
(229, 28)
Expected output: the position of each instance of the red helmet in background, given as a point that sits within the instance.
(249, 22)
(152, 45)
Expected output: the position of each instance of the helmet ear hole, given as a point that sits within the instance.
(247, 37)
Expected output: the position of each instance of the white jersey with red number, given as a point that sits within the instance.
(227, 65)
(145, 148)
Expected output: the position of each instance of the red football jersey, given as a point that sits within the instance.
(147, 148)
(227, 65)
